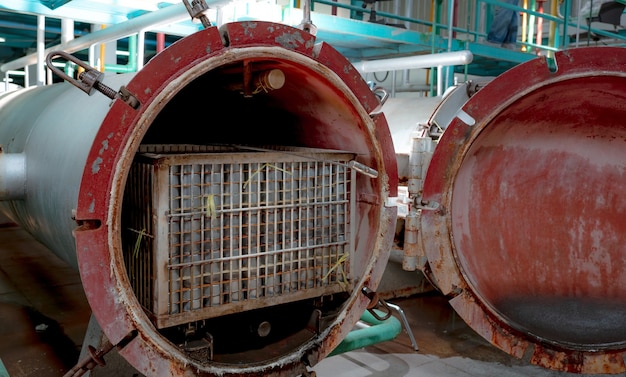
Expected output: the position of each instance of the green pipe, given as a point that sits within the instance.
(377, 332)
(131, 66)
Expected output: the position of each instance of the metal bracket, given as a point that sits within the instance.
(90, 80)
(96, 357)
(376, 303)
(382, 95)
(427, 205)
(198, 10)
(306, 24)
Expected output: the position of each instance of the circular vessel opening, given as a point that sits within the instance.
(239, 220)
(538, 214)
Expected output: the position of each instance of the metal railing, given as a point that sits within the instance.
(540, 29)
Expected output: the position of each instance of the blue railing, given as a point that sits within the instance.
(531, 37)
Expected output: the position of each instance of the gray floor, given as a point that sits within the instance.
(44, 316)
(369, 363)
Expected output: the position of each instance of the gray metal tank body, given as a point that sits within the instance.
(52, 129)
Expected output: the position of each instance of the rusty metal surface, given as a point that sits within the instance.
(529, 236)
(330, 103)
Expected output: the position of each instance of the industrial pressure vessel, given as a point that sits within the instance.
(523, 216)
(233, 219)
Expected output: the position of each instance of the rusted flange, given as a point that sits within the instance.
(529, 238)
(101, 192)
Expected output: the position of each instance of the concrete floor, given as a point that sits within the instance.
(447, 347)
(43, 310)
(44, 316)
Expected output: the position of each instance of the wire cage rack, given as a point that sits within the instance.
(209, 231)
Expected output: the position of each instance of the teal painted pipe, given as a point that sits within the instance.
(131, 66)
(377, 332)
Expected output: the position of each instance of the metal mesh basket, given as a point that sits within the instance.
(211, 233)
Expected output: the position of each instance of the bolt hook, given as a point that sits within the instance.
(376, 303)
(198, 10)
(90, 80)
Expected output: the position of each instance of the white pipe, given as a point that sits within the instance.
(41, 46)
(414, 62)
(439, 80)
(168, 15)
(67, 30)
(141, 49)
(91, 56)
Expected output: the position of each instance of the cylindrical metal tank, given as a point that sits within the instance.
(525, 228)
(224, 226)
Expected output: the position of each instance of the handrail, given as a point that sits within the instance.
(561, 24)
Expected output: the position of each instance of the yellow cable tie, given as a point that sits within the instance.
(210, 208)
(342, 259)
(140, 235)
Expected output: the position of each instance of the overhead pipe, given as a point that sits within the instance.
(415, 62)
(171, 14)
(28, 27)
